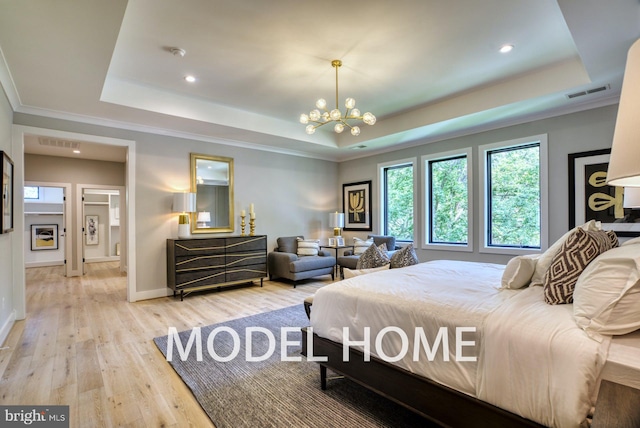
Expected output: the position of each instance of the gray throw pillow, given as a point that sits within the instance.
(404, 257)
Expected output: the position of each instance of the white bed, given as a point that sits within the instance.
(532, 358)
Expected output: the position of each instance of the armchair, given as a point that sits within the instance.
(284, 262)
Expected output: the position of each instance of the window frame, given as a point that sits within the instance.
(382, 194)
(483, 150)
(426, 214)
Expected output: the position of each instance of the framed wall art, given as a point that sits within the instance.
(91, 229)
(356, 201)
(591, 198)
(44, 237)
(6, 173)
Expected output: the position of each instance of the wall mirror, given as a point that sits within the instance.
(212, 182)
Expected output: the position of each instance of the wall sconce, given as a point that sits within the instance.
(204, 217)
(184, 203)
(336, 220)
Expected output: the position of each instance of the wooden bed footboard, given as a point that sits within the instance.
(435, 402)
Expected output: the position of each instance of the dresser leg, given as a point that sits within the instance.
(181, 295)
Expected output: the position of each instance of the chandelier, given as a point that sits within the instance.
(318, 118)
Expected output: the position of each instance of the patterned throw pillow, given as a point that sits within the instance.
(360, 245)
(373, 257)
(308, 247)
(404, 257)
(580, 248)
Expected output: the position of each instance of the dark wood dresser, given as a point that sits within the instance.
(195, 264)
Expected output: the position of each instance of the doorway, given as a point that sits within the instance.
(21, 134)
(48, 233)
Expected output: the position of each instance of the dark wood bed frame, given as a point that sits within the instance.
(433, 401)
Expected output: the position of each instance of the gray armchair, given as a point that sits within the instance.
(284, 262)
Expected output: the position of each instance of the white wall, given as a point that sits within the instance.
(577, 132)
(7, 314)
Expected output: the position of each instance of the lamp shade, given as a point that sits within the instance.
(631, 197)
(184, 202)
(336, 219)
(624, 163)
(204, 216)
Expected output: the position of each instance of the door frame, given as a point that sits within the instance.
(68, 231)
(18, 133)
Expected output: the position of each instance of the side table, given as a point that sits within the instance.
(619, 395)
(336, 248)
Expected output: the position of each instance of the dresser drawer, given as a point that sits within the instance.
(247, 272)
(205, 261)
(200, 278)
(245, 258)
(246, 243)
(190, 247)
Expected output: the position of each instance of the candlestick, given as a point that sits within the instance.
(252, 225)
(242, 223)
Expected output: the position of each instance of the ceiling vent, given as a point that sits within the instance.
(54, 142)
(589, 91)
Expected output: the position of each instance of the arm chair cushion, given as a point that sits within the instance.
(288, 244)
(390, 241)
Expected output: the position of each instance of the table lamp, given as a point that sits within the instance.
(336, 220)
(184, 203)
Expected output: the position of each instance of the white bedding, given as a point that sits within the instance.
(532, 359)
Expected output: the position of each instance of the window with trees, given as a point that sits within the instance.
(448, 197)
(397, 185)
(514, 196)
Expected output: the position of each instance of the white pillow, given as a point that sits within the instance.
(606, 299)
(360, 245)
(308, 247)
(350, 273)
(545, 259)
(518, 272)
(633, 241)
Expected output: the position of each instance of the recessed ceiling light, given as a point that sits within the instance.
(76, 152)
(190, 78)
(506, 48)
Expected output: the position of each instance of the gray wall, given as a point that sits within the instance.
(6, 240)
(292, 195)
(577, 132)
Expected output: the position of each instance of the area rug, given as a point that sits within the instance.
(275, 393)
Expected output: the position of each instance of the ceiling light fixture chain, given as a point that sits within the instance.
(335, 115)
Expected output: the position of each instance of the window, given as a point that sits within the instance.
(515, 195)
(31, 192)
(397, 184)
(448, 187)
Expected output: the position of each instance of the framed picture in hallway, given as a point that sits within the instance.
(91, 229)
(6, 174)
(44, 237)
(356, 202)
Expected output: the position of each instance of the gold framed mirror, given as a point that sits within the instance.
(212, 182)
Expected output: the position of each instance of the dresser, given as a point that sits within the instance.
(196, 264)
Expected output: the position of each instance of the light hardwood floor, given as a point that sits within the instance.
(84, 346)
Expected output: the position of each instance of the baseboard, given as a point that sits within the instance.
(102, 259)
(6, 327)
(153, 294)
(44, 264)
